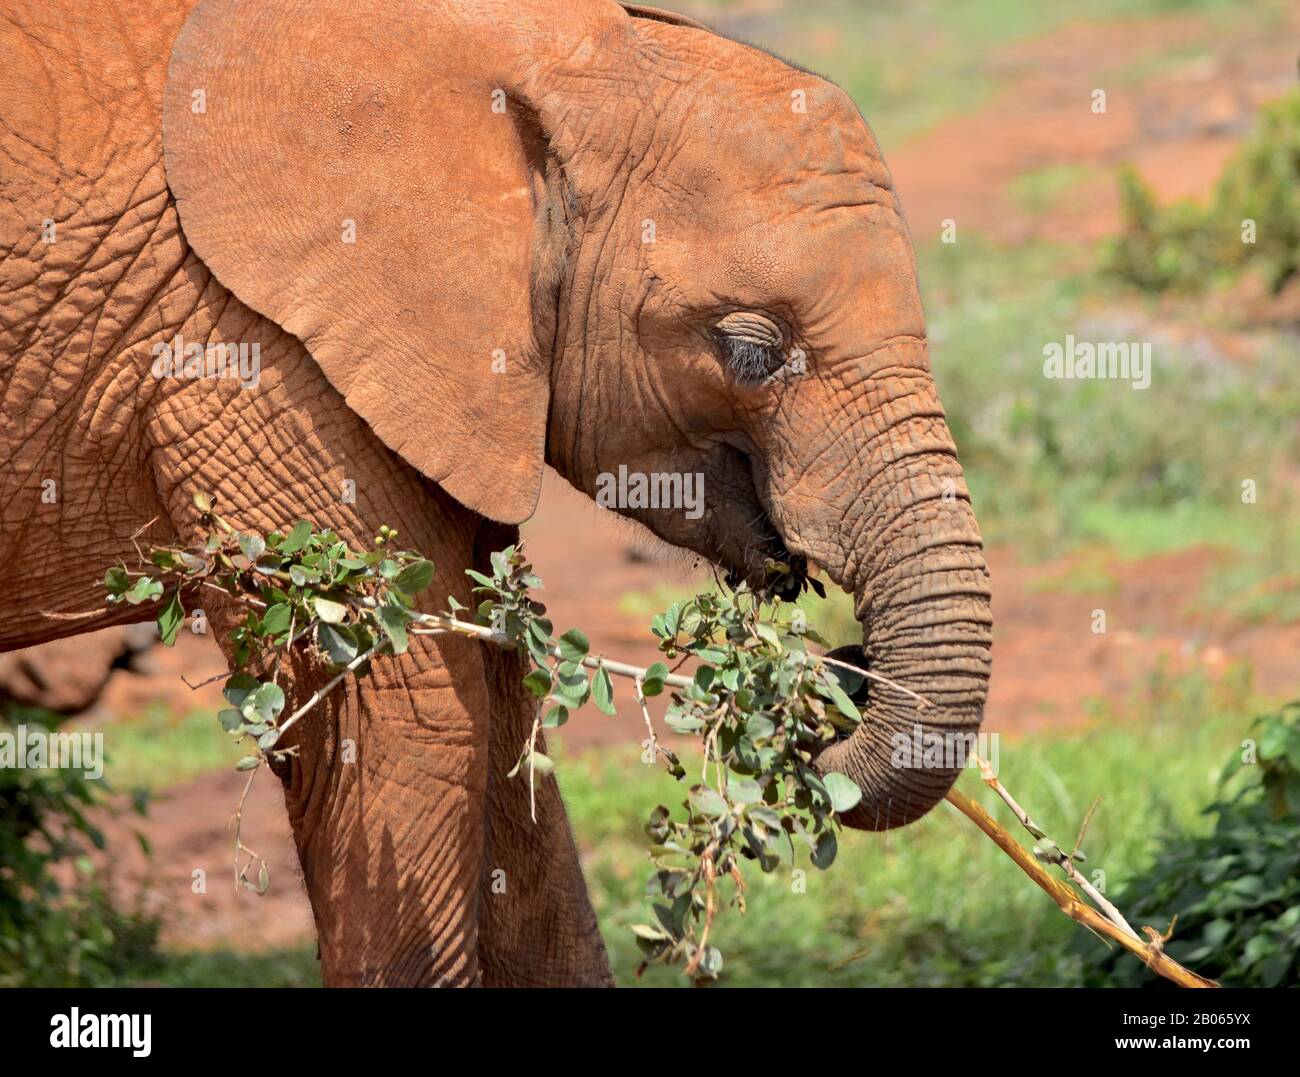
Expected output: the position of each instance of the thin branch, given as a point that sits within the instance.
(645, 713)
(875, 677)
(195, 687)
(1066, 862)
(1068, 901)
(444, 625)
(326, 688)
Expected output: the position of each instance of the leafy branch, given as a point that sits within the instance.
(761, 703)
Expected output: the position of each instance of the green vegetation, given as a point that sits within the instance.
(57, 931)
(1189, 248)
(290, 967)
(157, 750)
(935, 904)
(1052, 463)
(1044, 189)
(1236, 890)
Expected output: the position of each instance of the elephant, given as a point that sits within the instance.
(452, 244)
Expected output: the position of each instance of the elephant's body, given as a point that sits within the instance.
(130, 216)
(456, 884)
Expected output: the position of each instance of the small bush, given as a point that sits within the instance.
(55, 935)
(1236, 891)
(1187, 247)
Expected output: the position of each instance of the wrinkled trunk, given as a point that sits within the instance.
(922, 596)
(869, 487)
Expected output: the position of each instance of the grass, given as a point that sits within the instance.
(1043, 190)
(290, 967)
(1053, 463)
(932, 905)
(935, 904)
(158, 750)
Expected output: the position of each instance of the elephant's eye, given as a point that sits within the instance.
(753, 346)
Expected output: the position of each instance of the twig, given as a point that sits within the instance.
(325, 689)
(195, 687)
(239, 824)
(1068, 901)
(1066, 862)
(443, 625)
(645, 713)
(1083, 829)
(875, 677)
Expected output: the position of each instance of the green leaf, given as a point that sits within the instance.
(683, 723)
(393, 620)
(573, 646)
(230, 719)
(843, 790)
(841, 700)
(823, 854)
(602, 691)
(653, 682)
(571, 689)
(707, 801)
(338, 643)
(238, 687)
(555, 717)
(414, 577)
(116, 581)
(248, 762)
(252, 545)
(171, 618)
(296, 539)
(277, 618)
(145, 589)
(538, 682)
(301, 575)
(265, 702)
(329, 611)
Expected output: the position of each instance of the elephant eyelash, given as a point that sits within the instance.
(750, 361)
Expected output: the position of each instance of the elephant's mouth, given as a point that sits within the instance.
(760, 542)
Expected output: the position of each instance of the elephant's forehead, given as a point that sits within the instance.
(759, 151)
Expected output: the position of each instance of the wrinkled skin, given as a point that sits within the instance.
(645, 180)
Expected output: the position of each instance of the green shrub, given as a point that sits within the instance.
(1187, 247)
(1236, 891)
(55, 934)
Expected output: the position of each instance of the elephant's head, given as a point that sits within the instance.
(607, 239)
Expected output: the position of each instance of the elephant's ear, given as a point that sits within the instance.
(656, 14)
(335, 170)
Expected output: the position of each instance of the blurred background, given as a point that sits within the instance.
(1172, 510)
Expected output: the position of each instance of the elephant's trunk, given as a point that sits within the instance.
(917, 570)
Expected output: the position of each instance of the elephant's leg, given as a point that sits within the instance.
(537, 926)
(386, 794)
